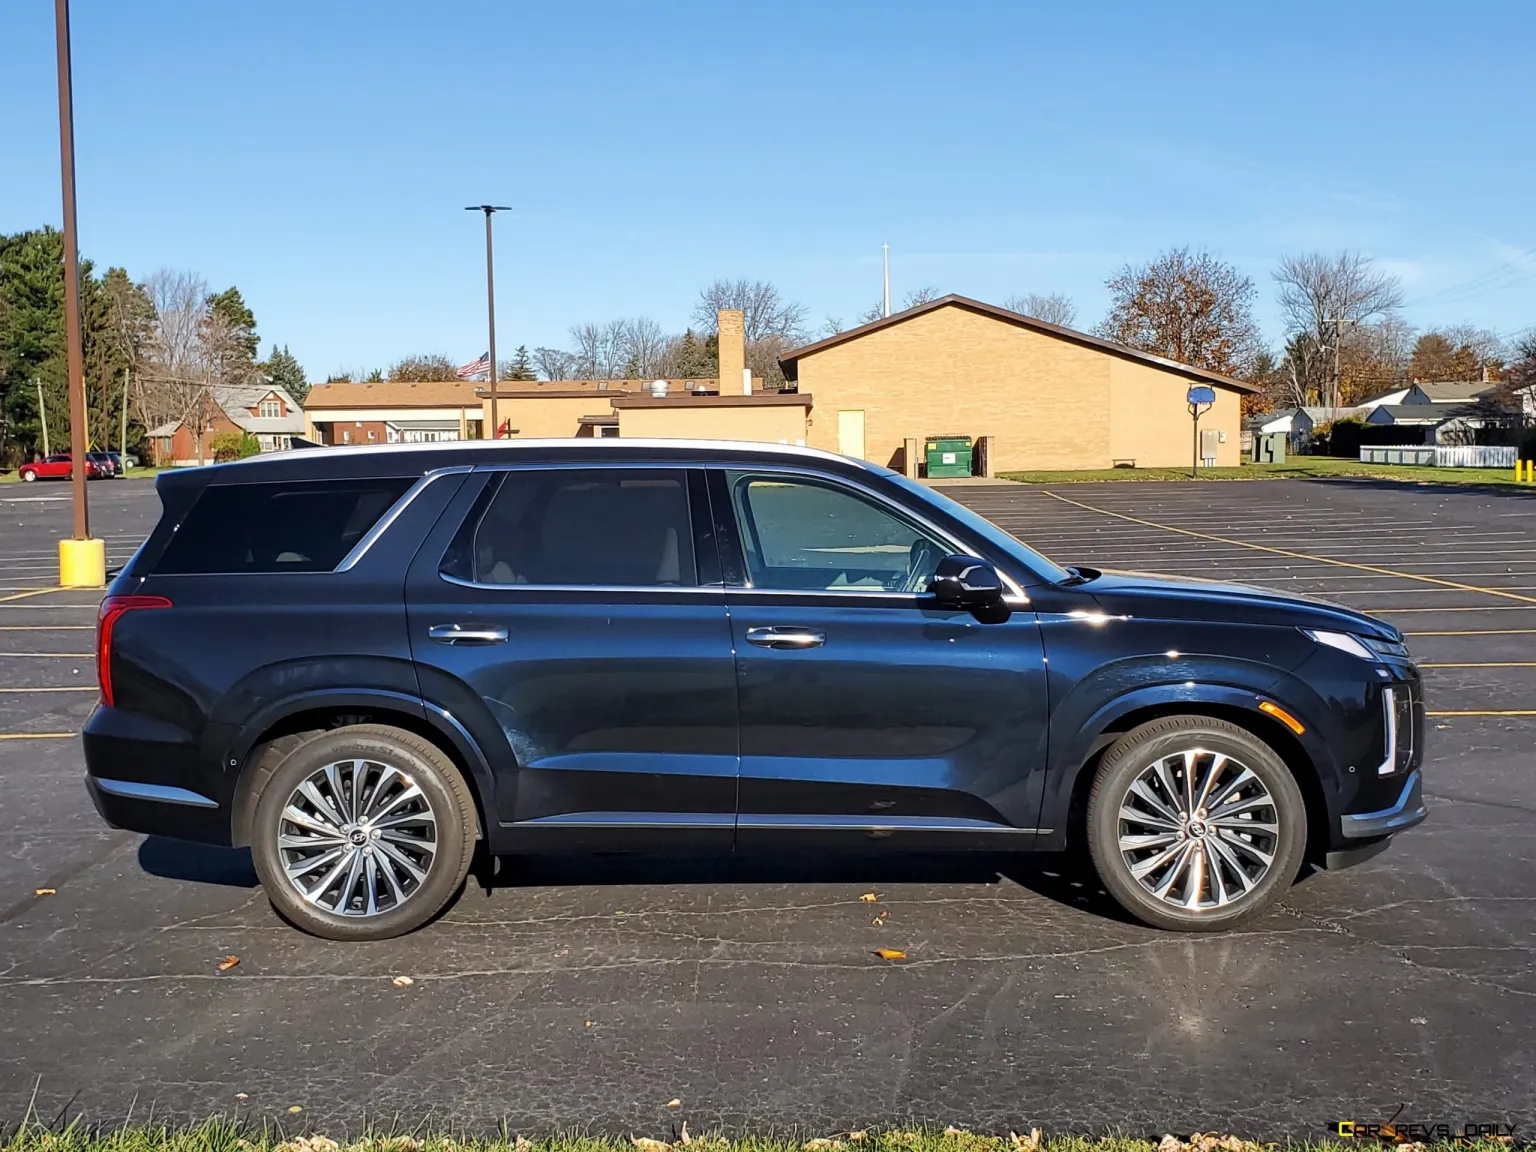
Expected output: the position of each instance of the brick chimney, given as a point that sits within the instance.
(733, 351)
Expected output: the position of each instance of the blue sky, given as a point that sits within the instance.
(318, 155)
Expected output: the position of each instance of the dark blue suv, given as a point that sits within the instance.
(361, 662)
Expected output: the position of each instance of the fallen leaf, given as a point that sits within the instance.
(228, 962)
(1419, 1020)
(674, 1103)
(953, 1131)
(858, 1134)
(522, 1142)
(295, 1109)
(590, 1023)
(1023, 1143)
(821, 1143)
(46, 892)
(683, 1136)
(890, 953)
(869, 897)
(242, 1096)
(646, 1144)
(879, 921)
(402, 981)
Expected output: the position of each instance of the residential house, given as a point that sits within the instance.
(265, 411)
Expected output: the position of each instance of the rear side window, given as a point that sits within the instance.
(293, 526)
(579, 527)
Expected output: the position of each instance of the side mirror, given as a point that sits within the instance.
(966, 582)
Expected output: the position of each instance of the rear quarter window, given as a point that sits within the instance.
(290, 526)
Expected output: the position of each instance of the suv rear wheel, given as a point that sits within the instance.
(363, 833)
(1194, 824)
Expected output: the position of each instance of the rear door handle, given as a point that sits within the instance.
(467, 634)
(785, 638)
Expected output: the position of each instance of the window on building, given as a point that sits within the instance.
(293, 526)
(596, 526)
(801, 534)
(271, 409)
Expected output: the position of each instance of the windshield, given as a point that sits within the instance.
(984, 528)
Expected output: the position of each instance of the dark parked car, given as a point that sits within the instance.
(362, 661)
(108, 465)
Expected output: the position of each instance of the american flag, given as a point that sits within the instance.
(474, 367)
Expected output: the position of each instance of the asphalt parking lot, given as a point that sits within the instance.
(594, 991)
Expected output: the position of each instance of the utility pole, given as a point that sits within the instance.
(490, 301)
(82, 560)
(122, 440)
(886, 249)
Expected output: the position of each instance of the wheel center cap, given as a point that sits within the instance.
(358, 837)
(1197, 828)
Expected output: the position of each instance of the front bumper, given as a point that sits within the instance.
(1407, 811)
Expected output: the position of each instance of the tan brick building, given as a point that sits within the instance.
(1046, 396)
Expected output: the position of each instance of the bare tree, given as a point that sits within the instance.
(1323, 296)
(920, 296)
(172, 378)
(1053, 308)
(832, 325)
(428, 366)
(644, 346)
(765, 312)
(552, 363)
(1189, 307)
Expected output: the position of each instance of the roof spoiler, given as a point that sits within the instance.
(300, 442)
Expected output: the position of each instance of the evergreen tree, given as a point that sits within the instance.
(231, 307)
(521, 367)
(285, 371)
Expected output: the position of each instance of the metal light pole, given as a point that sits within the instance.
(82, 561)
(490, 300)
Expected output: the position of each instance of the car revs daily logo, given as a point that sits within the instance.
(1394, 1131)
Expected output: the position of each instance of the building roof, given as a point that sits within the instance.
(1453, 391)
(1418, 414)
(523, 389)
(790, 360)
(1395, 396)
(712, 400)
(393, 394)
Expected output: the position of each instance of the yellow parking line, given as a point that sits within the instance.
(1484, 664)
(38, 735)
(29, 592)
(1479, 632)
(1512, 712)
(1295, 555)
(1485, 608)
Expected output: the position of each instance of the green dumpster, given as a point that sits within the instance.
(948, 456)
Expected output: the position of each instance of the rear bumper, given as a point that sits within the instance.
(144, 775)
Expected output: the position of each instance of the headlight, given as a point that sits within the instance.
(1365, 647)
(1344, 642)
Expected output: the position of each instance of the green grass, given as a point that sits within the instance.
(1299, 467)
(293, 1134)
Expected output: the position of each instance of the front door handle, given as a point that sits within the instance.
(785, 638)
(467, 634)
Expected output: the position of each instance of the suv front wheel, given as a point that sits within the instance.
(363, 833)
(1194, 824)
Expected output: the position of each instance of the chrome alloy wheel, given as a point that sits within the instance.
(357, 838)
(1198, 830)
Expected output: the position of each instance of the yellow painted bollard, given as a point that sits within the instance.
(82, 563)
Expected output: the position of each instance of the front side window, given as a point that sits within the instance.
(805, 535)
(578, 527)
(290, 526)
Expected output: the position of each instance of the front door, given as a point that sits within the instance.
(867, 711)
(573, 620)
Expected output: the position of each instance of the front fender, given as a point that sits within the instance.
(1099, 704)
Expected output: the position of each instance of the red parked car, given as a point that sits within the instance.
(58, 467)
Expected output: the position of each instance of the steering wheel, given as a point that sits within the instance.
(922, 559)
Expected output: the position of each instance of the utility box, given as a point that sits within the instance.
(1269, 448)
(948, 457)
(1209, 439)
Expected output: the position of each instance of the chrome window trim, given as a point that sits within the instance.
(759, 822)
(157, 793)
(383, 523)
(1015, 597)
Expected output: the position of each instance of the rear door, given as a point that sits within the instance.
(573, 619)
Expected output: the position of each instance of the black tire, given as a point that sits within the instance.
(28, 476)
(445, 796)
(1139, 752)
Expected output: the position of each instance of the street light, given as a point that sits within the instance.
(490, 299)
(82, 560)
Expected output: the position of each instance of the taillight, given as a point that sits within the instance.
(111, 608)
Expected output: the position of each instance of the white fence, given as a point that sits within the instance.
(1443, 456)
